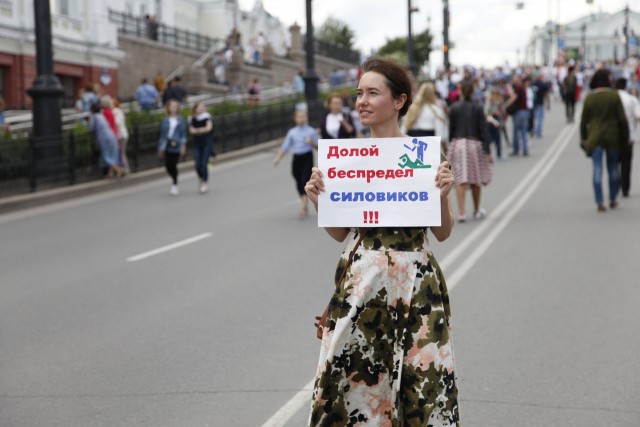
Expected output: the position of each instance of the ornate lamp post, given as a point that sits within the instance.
(310, 76)
(46, 90)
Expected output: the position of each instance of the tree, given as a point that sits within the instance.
(397, 48)
(336, 32)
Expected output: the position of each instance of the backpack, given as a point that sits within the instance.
(570, 84)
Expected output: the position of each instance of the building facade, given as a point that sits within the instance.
(85, 40)
(593, 38)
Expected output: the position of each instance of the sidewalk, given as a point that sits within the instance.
(39, 198)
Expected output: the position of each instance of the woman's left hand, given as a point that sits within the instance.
(444, 179)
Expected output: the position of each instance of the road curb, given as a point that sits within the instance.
(39, 198)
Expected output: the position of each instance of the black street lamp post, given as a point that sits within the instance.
(46, 90)
(410, 52)
(310, 77)
(445, 34)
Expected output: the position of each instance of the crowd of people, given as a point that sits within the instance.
(524, 95)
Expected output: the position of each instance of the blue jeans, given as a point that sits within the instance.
(494, 136)
(202, 151)
(612, 172)
(538, 112)
(520, 125)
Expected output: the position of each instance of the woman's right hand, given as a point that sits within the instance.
(314, 186)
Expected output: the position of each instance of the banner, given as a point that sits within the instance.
(379, 182)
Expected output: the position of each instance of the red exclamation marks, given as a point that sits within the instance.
(370, 217)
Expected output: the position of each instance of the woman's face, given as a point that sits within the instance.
(335, 105)
(172, 108)
(199, 108)
(374, 102)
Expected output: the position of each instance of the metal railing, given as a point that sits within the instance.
(149, 29)
(29, 164)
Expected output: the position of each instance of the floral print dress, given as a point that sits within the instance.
(386, 356)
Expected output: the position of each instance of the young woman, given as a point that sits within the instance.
(469, 151)
(386, 357)
(201, 127)
(106, 142)
(173, 141)
(300, 140)
(426, 117)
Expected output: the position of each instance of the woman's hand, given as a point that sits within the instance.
(314, 186)
(444, 179)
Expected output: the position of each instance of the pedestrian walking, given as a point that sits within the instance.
(569, 86)
(335, 124)
(386, 356)
(520, 117)
(496, 118)
(301, 140)
(201, 127)
(604, 130)
(541, 90)
(631, 107)
(173, 142)
(469, 151)
(253, 91)
(122, 134)
(106, 143)
(4, 126)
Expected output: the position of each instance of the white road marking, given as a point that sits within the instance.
(169, 247)
(511, 204)
(284, 414)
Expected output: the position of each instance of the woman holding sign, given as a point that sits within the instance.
(386, 356)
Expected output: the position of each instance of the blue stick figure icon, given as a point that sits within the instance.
(419, 146)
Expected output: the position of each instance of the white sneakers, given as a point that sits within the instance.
(202, 188)
(480, 213)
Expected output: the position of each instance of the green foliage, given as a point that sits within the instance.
(336, 32)
(397, 48)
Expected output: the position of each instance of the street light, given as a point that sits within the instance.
(46, 91)
(445, 34)
(310, 77)
(410, 51)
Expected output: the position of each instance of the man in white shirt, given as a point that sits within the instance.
(632, 111)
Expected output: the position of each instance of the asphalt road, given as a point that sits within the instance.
(134, 308)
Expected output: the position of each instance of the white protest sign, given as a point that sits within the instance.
(379, 182)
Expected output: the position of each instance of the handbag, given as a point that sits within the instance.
(321, 320)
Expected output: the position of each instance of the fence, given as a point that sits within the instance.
(30, 164)
(150, 29)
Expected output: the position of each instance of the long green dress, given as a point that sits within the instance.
(386, 356)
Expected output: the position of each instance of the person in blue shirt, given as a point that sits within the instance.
(300, 141)
(147, 96)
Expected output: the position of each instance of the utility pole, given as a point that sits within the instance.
(46, 92)
(410, 51)
(310, 77)
(445, 34)
(583, 42)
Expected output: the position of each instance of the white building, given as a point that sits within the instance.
(593, 38)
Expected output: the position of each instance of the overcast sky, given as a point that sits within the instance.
(485, 32)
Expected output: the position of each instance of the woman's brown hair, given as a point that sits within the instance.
(395, 77)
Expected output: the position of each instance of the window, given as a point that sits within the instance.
(64, 7)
